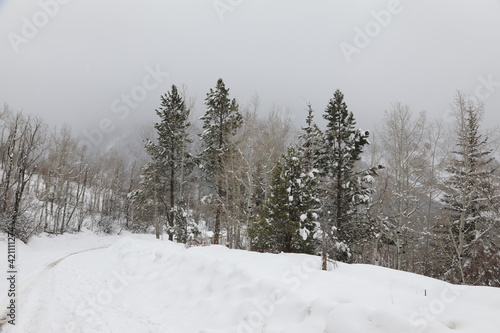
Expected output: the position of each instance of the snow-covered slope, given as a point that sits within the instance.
(85, 283)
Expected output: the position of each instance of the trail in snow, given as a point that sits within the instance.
(74, 296)
(36, 298)
(34, 262)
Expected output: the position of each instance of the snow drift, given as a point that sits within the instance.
(85, 283)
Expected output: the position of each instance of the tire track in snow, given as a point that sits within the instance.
(34, 279)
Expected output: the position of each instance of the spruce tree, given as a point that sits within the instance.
(289, 216)
(346, 189)
(470, 197)
(169, 154)
(221, 121)
(185, 229)
(312, 141)
(313, 144)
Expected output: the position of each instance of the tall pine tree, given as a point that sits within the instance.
(170, 157)
(220, 123)
(346, 189)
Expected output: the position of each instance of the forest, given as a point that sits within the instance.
(415, 194)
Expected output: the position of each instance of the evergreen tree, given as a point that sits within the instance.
(312, 141)
(312, 149)
(171, 161)
(185, 228)
(471, 199)
(289, 217)
(220, 123)
(346, 190)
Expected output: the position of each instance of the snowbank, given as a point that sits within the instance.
(139, 284)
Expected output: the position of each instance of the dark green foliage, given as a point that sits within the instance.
(220, 123)
(170, 159)
(346, 188)
(288, 219)
(313, 141)
(185, 229)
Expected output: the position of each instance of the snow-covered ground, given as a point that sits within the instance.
(134, 283)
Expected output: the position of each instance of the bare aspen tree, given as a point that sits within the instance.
(402, 137)
(24, 148)
(436, 148)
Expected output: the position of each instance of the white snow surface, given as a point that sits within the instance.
(135, 283)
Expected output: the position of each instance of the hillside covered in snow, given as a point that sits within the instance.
(82, 283)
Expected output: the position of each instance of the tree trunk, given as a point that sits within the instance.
(172, 197)
(324, 247)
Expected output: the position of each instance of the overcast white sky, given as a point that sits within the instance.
(87, 54)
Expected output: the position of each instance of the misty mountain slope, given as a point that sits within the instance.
(85, 283)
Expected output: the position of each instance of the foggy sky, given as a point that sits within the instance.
(86, 56)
